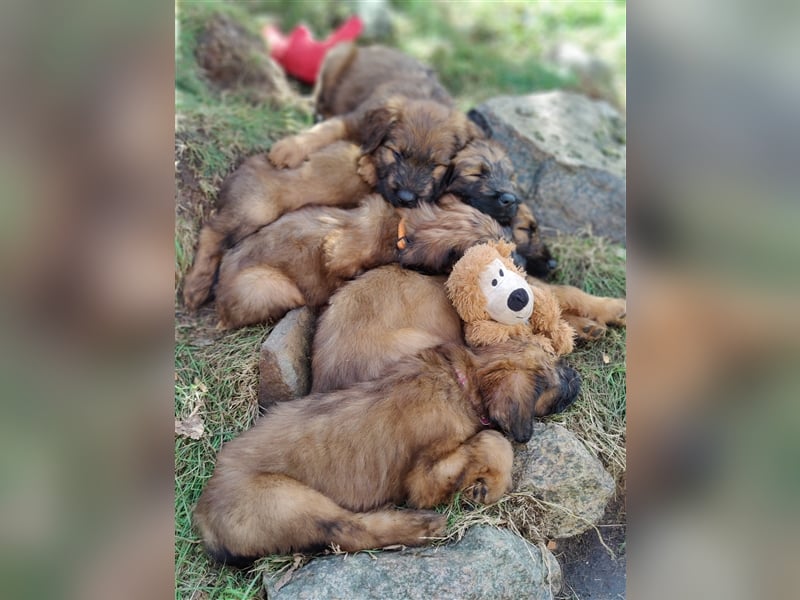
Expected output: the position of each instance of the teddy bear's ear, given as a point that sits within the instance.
(504, 248)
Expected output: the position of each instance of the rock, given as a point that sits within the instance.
(569, 155)
(557, 468)
(285, 364)
(235, 59)
(486, 563)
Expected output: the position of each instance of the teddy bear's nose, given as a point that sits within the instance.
(518, 299)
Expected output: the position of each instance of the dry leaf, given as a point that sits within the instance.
(552, 545)
(191, 427)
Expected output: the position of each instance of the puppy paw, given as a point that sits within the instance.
(366, 170)
(288, 153)
(616, 312)
(429, 524)
(587, 329)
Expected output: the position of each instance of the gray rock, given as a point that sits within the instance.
(556, 467)
(485, 563)
(285, 364)
(569, 156)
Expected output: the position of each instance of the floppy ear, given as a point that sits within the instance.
(509, 396)
(377, 123)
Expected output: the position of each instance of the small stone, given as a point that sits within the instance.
(285, 364)
(556, 467)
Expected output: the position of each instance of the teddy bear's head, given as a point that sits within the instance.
(485, 284)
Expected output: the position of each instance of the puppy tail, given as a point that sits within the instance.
(197, 283)
(242, 516)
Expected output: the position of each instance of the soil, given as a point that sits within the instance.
(589, 571)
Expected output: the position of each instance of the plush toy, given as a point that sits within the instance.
(496, 302)
(300, 54)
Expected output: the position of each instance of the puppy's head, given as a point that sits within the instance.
(532, 254)
(483, 177)
(520, 380)
(411, 144)
(439, 234)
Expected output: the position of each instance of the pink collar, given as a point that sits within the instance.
(462, 381)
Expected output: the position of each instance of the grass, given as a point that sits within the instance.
(490, 49)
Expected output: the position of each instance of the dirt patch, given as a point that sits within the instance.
(232, 58)
(590, 571)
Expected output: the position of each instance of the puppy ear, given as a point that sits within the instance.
(377, 123)
(510, 399)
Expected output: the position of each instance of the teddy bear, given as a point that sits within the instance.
(497, 303)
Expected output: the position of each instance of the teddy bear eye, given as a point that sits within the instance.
(501, 272)
(494, 282)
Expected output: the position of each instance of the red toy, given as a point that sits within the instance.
(300, 54)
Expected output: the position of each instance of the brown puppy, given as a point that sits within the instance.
(395, 108)
(257, 193)
(483, 177)
(304, 256)
(391, 312)
(320, 470)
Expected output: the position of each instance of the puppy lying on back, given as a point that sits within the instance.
(304, 256)
(321, 469)
(396, 109)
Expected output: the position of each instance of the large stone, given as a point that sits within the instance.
(556, 467)
(569, 156)
(485, 563)
(285, 364)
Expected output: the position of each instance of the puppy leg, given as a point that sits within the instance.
(606, 311)
(257, 294)
(481, 466)
(586, 329)
(242, 516)
(291, 151)
(197, 283)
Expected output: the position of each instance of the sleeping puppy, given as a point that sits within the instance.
(324, 469)
(307, 254)
(483, 176)
(395, 108)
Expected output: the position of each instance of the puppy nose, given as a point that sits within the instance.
(407, 197)
(518, 299)
(552, 264)
(507, 199)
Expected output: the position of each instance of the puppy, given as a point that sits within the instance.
(304, 256)
(395, 108)
(321, 469)
(390, 313)
(482, 176)
(257, 193)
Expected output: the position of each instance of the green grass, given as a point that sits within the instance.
(492, 48)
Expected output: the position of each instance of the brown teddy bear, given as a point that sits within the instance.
(497, 303)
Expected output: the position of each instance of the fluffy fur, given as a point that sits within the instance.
(321, 469)
(397, 111)
(304, 256)
(257, 193)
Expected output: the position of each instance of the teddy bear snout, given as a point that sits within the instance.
(518, 299)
